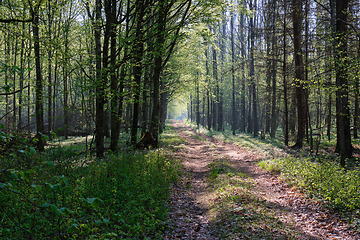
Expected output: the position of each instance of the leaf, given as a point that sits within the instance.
(94, 202)
(106, 221)
(73, 228)
(65, 211)
(32, 150)
(53, 134)
(49, 163)
(45, 137)
(37, 187)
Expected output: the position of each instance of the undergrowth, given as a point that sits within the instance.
(323, 179)
(66, 194)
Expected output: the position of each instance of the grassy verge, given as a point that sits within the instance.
(239, 210)
(66, 194)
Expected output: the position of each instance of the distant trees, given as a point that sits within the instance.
(103, 67)
(283, 64)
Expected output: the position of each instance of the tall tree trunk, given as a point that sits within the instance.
(197, 94)
(137, 53)
(114, 101)
(342, 82)
(39, 109)
(100, 84)
(49, 113)
(216, 81)
(242, 125)
(299, 73)
(357, 110)
(158, 61)
(22, 66)
(273, 72)
(233, 110)
(286, 108)
(66, 91)
(255, 120)
(208, 86)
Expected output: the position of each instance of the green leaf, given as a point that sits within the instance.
(49, 163)
(94, 202)
(37, 187)
(53, 134)
(45, 137)
(106, 221)
(73, 228)
(32, 150)
(65, 211)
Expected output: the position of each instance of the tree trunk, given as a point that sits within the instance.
(22, 65)
(100, 85)
(39, 109)
(342, 82)
(114, 101)
(254, 120)
(216, 80)
(299, 73)
(160, 40)
(233, 110)
(137, 53)
(273, 72)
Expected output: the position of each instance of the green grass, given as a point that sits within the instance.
(68, 194)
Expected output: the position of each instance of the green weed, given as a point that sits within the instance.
(325, 180)
(67, 194)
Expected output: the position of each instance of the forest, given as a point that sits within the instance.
(179, 119)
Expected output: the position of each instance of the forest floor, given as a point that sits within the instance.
(224, 194)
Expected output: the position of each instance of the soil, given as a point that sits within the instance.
(191, 216)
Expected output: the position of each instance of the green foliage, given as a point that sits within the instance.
(67, 194)
(324, 179)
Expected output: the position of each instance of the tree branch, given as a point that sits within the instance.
(11, 93)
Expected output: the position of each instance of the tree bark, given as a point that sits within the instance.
(255, 128)
(100, 84)
(39, 109)
(233, 110)
(299, 73)
(137, 53)
(342, 82)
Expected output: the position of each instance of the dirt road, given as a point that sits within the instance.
(192, 201)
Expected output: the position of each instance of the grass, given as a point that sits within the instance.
(67, 194)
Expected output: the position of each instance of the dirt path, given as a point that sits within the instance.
(191, 201)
